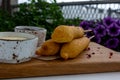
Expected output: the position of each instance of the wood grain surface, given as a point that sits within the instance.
(94, 59)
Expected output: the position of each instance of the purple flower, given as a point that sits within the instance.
(97, 39)
(118, 22)
(91, 23)
(85, 25)
(112, 43)
(106, 31)
(113, 30)
(108, 21)
(100, 31)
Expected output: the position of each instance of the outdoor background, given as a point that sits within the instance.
(100, 16)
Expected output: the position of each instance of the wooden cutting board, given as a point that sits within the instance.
(95, 59)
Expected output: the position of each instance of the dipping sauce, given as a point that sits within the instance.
(12, 38)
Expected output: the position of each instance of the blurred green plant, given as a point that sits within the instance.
(38, 13)
(6, 23)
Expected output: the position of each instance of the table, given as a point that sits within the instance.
(95, 76)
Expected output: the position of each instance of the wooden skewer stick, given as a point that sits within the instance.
(91, 37)
(87, 30)
(84, 30)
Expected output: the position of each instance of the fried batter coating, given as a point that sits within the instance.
(48, 48)
(74, 48)
(63, 33)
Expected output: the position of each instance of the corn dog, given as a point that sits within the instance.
(48, 48)
(64, 33)
(74, 48)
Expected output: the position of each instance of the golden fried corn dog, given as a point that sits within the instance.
(74, 48)
(48, 48)
(64, 33)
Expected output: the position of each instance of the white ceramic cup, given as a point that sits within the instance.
(37, 31)
(14, 49)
